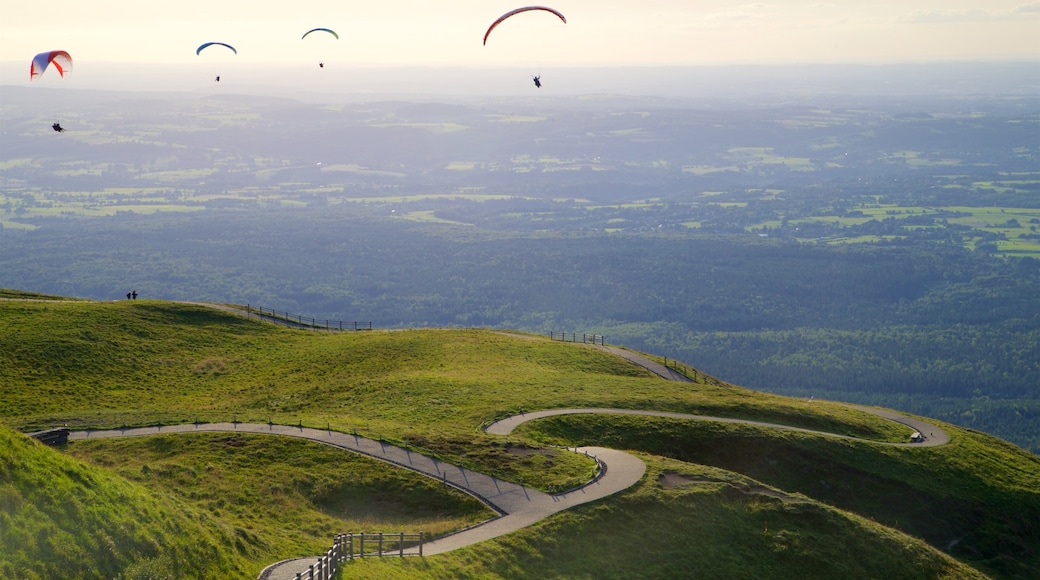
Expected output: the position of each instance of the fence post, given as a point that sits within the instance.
(380, 544)
(350, 538)
(361, 552)
(401, 545)
(420, 544)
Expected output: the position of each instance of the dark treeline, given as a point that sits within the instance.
(929, 322)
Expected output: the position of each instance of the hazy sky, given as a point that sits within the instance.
(598, 32)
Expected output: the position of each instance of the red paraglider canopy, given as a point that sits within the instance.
(59, 58)
(518, 11)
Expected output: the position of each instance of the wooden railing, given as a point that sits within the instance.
(343, 549)
(573, 337)
(305, 322)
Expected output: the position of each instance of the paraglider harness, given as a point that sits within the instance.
(537, 81)
(57, 127)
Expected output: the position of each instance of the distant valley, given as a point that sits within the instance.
(876, 248)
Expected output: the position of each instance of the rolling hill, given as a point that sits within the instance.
(717, 500)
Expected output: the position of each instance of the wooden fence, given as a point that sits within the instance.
(692, 373)
(349, 546)
(681, 368)
(573, 337)
(306, 322)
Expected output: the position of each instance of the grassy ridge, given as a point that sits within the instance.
(142, 362)
(712, 524)
(109, 364)
(977, 497)
(62, 519)
(292, 495)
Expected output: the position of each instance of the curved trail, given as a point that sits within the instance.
(938, 436)
(518, 506)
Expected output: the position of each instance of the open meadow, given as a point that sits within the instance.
(716, 499)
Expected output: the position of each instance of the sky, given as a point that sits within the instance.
(597, 32)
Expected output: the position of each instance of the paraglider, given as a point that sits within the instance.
(330, 31)
(518, 11)
(537, 78)
(326, 30)
(209, 44)
(206, 45)
(59, 59)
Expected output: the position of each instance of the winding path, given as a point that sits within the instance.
(517, 506)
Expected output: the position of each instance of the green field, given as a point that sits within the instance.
(753, 501)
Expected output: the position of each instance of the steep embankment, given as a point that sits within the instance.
(60, 518)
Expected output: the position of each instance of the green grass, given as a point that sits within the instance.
(984, 220)
(314, 490)
(22, 295)
(710, 524)
(935, 493)
(60, 518)
(146, 362)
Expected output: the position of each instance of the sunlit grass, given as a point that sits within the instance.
(314, 490)
(146, 362)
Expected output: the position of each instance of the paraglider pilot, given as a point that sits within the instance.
(57, 127)
(321, 65)
(217, 79)
(537, 80)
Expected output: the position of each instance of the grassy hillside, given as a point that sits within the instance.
(690, 521)
(146, 362)
(62, 519)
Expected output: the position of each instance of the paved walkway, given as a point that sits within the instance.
(933, 435)
(650, 365)
(518, 506)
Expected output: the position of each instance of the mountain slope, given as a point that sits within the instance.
(145, 362)
(60, 518)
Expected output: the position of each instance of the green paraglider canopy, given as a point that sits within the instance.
(329, 30)
(208, 44)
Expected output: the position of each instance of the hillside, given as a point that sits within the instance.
(60, 518)
(731, 500)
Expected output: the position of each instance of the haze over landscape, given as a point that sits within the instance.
(654, 32)
(825, 201)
